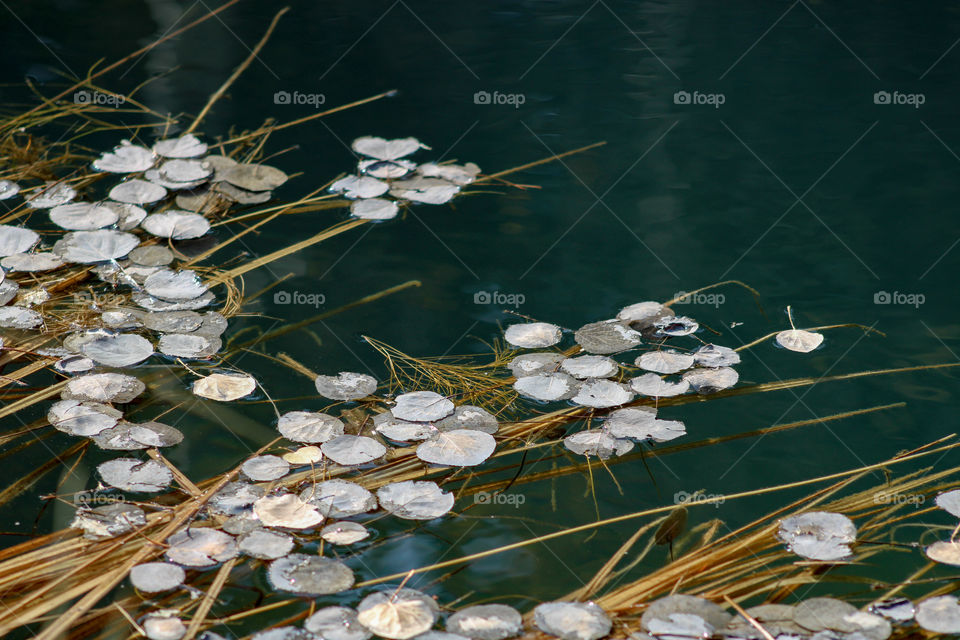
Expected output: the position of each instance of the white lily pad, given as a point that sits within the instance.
(153, 577)
(676, 326)
(130, 474)
(129, 216)
(163, 625)
(16, 240)
(818, 535)
(89, 247)
(584, 367)
(547, 387)
(711, 355)
(530, 364)
(458, 448)
(8, 189)
(359, 187)
(601, 394)
(424, 190)
(82, 418)
(597, 442)
(350, 450)
(235, 498)
(265, 468)
(109, 520)
(83, 216)
(398, 614)
(266, 545)
(711, 380)
(19, 318)
(180, 345)
(641, 315)
(469, 417)
(137, 192)
(31, 262)
(402, 430)
(486, 622)
(200, 547)
(455, 173)
(303, 456)
(336, 623)
(572, 620)
(120, 350)
(131, 436)
(386, 169)
(944, 552)
(52, 194)
(415, 500)
(940, 614)
(344, 533)
(422, 406)
(253, 177)
(151, 255)
(309, 426)
(103, 387)
(309, 575)
(949, 501)
(178, 225)
(650, 384)
(606, 337)
(339, 498)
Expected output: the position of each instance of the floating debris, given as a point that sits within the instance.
(287, 511)
(572, 620)
(130, 474)
(153, 577)
(352, 450)
(109, 520)
(533, 335)
(422, 406)
(336, 623)
(19, 318)
(339, 498)
(818, 535)
(486, 622)
(397, 614)
(675, 326)
(455, 173)
(898, 609)
(309, 426)
(309, 575)
(346, 386)
(235, 498)
(415, 499)
(457, 448)
(224, 387)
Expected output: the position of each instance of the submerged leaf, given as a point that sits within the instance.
(415, 500)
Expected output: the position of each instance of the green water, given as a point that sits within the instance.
(799, 184)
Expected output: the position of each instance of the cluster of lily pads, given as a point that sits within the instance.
(385, 178)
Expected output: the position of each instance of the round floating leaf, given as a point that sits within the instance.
(532, 335)
(609, 336)
(404, 431)
(422, 406)
(254, 177)
(424, 190)
(31, 262)
(572, 620)
(8, 291)
(151, 255)
(304, 455)
(818, 535)
(339, 498)
(129, 215)
(186, 146)
(455, 173)
(415, 500)
(8, 189)
(583, 367)
(663, 608)
(799, 340)
(175, 285)
(188, 346)
(137, 192)
(650, 384)
(130, 436)
(163, 625)
(547, 386)
(680, 626)
(74, 364)
(374, 209)
(16, 240)
(178, 225)
(457, 448)
(103, 387)
(88, 247)
(351, 450)
(121, 350)
(108, 521)
(945, 552)
(278, 633)
(309, 575)
(336, 623)
(200, 547)
(641, 424)
(486, 622)
(601, 394)
(642, 314)
(82, 418)
(949, 501)
(265, 468)
(150, 303)
(823, 614)
(344, 533)
(597, 443)
(397, 614)
(83, 216)
(288, 511)
(676, 326)
(359, 187)
(235, 498)
(224, 387)
(52, 194)
(531, 364)
(153, 577)
(386, 169)
(666, 361)
(468, 417)
(346, 386)
(711, 380)
(242, 196)
(185, 170)
(309, 426)
(126, 158)
(382, 149)
(266, 545)
(131, 474)
(711, 355)
(19, 318)
(940, 614)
